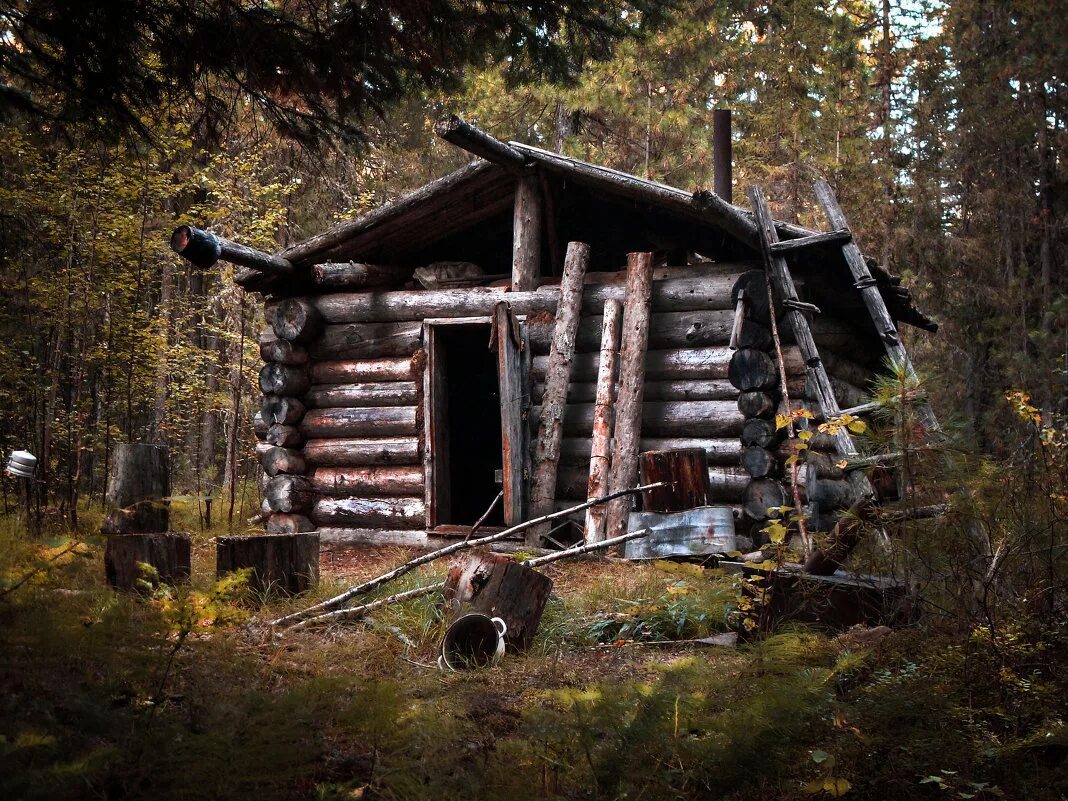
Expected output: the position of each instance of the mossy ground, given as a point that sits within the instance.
(89, 710)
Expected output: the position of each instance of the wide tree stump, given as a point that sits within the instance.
(139, 488)
(286, 564)
(169, 554)
(498, 586)
(685, 474)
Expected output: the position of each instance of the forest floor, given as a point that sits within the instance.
(191, 695)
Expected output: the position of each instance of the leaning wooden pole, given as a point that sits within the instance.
(557, 380)
(203, 249)
(604, 405)
(624, 471)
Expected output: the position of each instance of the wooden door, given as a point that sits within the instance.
(508, 341)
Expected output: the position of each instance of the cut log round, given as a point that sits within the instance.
(354, 372)
(398, 513)
(685, 475)
(288, 524)
(361, 452)
(287, 564)
(168, 553)
(401, 480)
(754, 335)
(273, 349)
(752, 370)
(281, 410)
(289, 494)
(761, 433)
(759, 462)
(139, 490)
(297, 320)
(280, 461)
(367, 340)
(387, 393)
(755, 286)
(756, 404)
(375, 421)
(498, 586)
(260, 426)
(284, 436)
(761, 495)
(283, 379)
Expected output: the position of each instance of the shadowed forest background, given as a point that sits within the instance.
(941, 127)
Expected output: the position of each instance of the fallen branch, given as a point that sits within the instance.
(487, 513)
(578, 550)
(407, 567)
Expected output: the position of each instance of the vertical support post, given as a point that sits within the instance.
(511, 383)
(722, 173)
(526, 233)
(600, 456)
(557, 380)
(624, 472)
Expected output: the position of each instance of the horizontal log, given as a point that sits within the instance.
(371, 421)
(367, 340)
(354, 372)
(761, 495)
(273, 349)
(845, 393)
(296, 320)
(676, 294)
(281, 409)
(282, 379)
(401, 480)
(361, 452)
(355, 275)
(574, 450)
(846, 369)
(761, 433)
(284, 436)
(278, 461)
(753, 370)
(692, 329)
(727, 483)
(288, 494)
(666, 418)
(759, 462)
(418, 539)
(756, 404)
(585, 391)
(673, 365)
(397, 513)
(203, 249)
(384, 393)
(260, 426)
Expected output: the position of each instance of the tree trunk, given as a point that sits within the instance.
(601, 441)
(526, 233)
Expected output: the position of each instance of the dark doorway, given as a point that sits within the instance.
(472, 423)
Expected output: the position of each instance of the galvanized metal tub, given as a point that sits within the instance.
(702, 531)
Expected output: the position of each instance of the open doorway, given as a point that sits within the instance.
(465, 426)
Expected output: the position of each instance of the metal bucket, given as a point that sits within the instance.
(472, 641)
(702, 531)
(21, 464)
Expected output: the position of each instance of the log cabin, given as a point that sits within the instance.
(456, 345)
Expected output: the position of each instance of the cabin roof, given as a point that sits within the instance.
(467, 215)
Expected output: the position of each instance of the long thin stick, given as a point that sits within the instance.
(409, 566)
(487, 513)
(400, 597)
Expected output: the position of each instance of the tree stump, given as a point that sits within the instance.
(498, 586)
(169, 554)
(287, 564)
(685, 471)
(139, 488)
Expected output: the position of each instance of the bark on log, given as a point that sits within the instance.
(668, 418)
(168, 553)
(377, 421)
(367, 341)
(281, 410)
(280, 461)
(726, 451)
(361, 452)
(557, 379)
(273, 349)
(203, 248)
(628, 424)
(498, 586)
(402, 480)
(284, 436)
(388, 393)
(526, 232)
(398, 513)
(355, 275)
(289, 494)
(752, 370)
(760, 462)
(288, 524)
(354, 372)
(282, 379)
(761, 433)
(297, 320)
(603, 418)
(691, 329)
(756, 404)
(715, 389)
(286, 564)
(686, 474)
(761, 495)
(139, 490)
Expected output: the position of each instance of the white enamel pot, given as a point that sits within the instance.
(473, 640)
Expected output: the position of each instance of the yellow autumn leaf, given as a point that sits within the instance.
(836, 787)
(857, 426)
(805, 435)
(781, 421)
